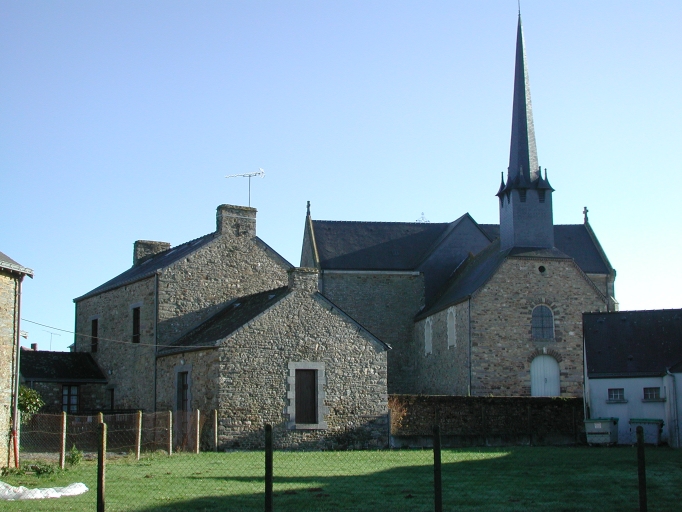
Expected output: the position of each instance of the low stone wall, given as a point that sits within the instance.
(484, 421)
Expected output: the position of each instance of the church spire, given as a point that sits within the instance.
(523, 155)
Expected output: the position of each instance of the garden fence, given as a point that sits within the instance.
(170, 475)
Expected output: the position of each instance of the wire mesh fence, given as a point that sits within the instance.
(171, 475)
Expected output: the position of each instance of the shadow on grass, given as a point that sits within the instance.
(564, 480)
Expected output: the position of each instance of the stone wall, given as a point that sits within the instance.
(485, 421)
(129, 367)
(444, 371)
(386, 304)
(502, 344)
(254, 384)
(228, 267)
(8, 303)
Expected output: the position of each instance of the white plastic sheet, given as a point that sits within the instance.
(7, 492)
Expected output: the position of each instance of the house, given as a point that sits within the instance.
(11, 276)
(634, 369)
(474, 309)
(204, 324)
(67, 381)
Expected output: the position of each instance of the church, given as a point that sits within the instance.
(376, 308)
(468, 308)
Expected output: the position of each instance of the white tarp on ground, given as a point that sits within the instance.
(7, 492)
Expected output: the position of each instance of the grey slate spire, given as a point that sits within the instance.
(526, 198)
(523, 155)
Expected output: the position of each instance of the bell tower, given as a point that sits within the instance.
(526, 198)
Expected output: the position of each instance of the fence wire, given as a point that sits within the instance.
(171, 475)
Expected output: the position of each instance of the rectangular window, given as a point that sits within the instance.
(306, 396)
(652, 393)
(136, 325)
(110, 398)
(183, 391)
(70, 399)
(616, 394)
(94, 335)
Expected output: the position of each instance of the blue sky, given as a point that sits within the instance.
(120, 120)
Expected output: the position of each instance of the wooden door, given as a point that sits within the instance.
(544, 377)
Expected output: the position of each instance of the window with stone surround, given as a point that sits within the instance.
(542, 323)
(452, 328)
(306, 395)
(428, 336)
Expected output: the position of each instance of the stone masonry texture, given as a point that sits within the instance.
(302, 327)
(8, 304)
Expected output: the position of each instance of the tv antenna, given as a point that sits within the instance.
(52, 334)
(260, 174)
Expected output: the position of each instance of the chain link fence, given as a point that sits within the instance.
(164, 462)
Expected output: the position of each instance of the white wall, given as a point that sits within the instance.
(635, 406)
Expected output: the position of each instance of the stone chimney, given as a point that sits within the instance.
(34, 347)
(145, 249)
(236, 220)
(303, 279)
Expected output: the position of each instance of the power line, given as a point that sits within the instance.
(90, 336)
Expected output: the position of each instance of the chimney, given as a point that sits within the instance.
(236, 220)
(145, 249)
(303, 279)
(34, 347)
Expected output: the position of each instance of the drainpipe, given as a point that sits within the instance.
(156, 330)
(17, 348)
(673, 399)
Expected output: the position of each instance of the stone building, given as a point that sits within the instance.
(11, 277)
(223, 322)
(473, 309)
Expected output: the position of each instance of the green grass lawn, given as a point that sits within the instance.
(518, 478)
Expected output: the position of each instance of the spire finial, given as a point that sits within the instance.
(308, 209)
(585, 210)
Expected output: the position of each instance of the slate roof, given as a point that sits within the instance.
(9, 264)
(632, 343)
(149, 267)
(235, 314)
(162, 260)
(345, 245)
(46, 366)
(575, 241)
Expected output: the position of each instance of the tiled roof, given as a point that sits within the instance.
(632, 343)
(9, 264)
(149, 267)
(230, 318)
(46, 366)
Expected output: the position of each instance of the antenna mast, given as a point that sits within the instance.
(260, 174)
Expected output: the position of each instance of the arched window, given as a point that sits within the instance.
(544, 377)
(543, 323)
(452, 328)
(428, 336)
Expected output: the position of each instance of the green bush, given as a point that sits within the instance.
(42, 468)
(74, 457)
(30, 403)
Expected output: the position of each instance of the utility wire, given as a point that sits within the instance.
(90, 336)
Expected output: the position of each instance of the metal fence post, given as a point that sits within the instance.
(62, 447)
(641, 469)
(437, 476)
(138, 437)
(101, 466)
(268, 468)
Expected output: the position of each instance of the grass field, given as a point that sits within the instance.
(519, 478)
